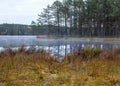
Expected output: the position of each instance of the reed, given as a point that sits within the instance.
(92, 67)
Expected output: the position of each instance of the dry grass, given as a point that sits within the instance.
(104, 39)
(50, 37)
(82, 68)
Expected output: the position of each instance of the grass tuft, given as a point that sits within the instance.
(89, 67)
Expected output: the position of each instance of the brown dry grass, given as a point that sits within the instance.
(82, 68)
(105, 39)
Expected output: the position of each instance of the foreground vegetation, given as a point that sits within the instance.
(87, 67)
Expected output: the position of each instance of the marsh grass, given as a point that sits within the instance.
(87, 67)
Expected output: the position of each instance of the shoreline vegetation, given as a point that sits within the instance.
(104, 39)
(86, 67)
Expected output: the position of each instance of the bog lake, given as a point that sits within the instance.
(58, 47)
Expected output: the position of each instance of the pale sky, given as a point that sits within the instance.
(21, 11)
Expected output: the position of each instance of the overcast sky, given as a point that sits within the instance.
(21, 11)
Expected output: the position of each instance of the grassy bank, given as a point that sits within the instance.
(104, 39)
(82, 68)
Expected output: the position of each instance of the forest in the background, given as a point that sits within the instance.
(19, 29)
(84, 18)
(14, 29)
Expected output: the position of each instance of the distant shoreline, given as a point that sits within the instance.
(106, 39)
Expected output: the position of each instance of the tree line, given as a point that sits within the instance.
(84, 18)
(19, 29)
(81, 18)
(14, 29)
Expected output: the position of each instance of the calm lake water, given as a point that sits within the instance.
(58, 47)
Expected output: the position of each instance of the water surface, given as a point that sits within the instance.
(58, 47)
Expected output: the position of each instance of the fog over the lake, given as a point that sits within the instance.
(21, 11)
